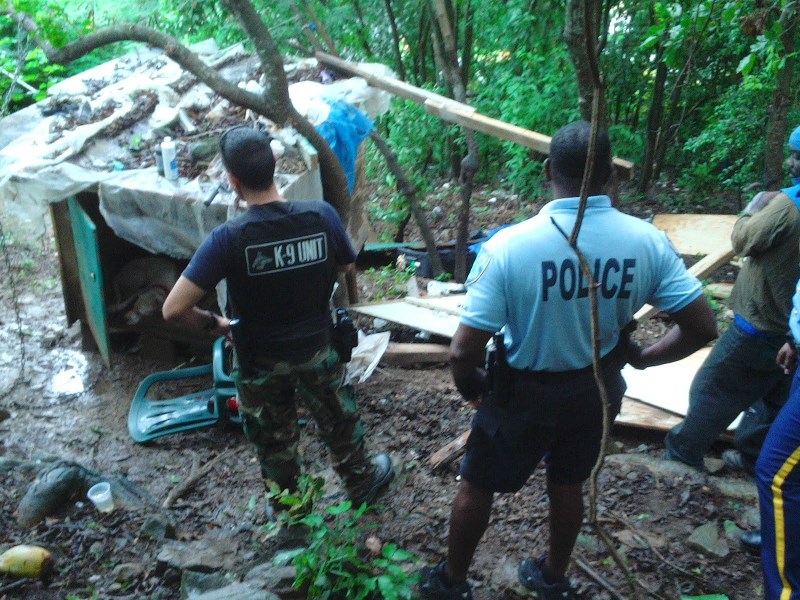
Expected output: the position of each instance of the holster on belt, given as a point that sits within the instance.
(345, 335)
(498, 372)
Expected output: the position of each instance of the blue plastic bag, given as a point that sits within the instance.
(344, 129)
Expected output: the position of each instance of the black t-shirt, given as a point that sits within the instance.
(280, 261)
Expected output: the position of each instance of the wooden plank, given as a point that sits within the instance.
(467, 117)
(721, 291)
(416, 317)
(403, 355)
(452, 111)
(67, 261)
(667, 386)
(701, 270)
(644, 416)
(697, 234)
(450, 304)
(449, 453)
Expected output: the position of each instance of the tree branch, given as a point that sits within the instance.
(141, 33)
(410, 192)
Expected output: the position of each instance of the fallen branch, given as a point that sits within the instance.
(447, 454)
(196, 475)
(587, 568)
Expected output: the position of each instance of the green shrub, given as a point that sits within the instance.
(336, 564)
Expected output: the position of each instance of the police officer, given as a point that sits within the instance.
(527, 281)
(280, 261)
(778, 480)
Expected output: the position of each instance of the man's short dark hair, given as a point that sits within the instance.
(246, 154)
(568, 151)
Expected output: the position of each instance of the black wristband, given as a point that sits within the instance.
(791, 342)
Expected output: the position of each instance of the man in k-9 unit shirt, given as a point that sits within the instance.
(527, 281)
(280, 261)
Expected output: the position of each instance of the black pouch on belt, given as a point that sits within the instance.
(345, 335)
(498, 372)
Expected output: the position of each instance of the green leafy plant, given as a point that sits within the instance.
(336, 563)
(389, 282)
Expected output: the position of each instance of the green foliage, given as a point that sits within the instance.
(59, 23)
(520, 72)
(336, 564)
(725, 152)
(389, 282)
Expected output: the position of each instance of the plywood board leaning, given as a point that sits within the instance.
(667, 386)
(697, 234)
(701, 270)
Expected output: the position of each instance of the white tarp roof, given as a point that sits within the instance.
(84, 135)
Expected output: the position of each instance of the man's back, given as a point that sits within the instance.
(280, 262)
(546, 308)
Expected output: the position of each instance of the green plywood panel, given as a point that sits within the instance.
(84, 234)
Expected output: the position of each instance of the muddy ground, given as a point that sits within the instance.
(58, 401)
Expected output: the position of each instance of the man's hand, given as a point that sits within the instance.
(631, 351)
(219, 327)
(475, 388)
(786, 358)
(467, 358)
(633, 355)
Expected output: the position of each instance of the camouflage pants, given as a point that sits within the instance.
(268, 408)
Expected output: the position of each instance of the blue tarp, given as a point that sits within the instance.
(344, 130)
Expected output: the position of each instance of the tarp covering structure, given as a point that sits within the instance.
(101, 130)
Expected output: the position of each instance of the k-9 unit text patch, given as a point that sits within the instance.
(289, 254)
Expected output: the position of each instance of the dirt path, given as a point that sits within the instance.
(71, 407)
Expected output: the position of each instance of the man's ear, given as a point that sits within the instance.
(548, 176)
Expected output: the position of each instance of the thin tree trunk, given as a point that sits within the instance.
(398, 57)
(672, 123)
(407, 188)
(466, 51)
(363, 30)
(471, 162)
(782, 98)
(654, 119)
(323, 31)
(576, 40)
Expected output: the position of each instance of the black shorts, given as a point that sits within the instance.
(557, 418)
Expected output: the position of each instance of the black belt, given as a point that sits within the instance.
(610, 360)
(291, 350)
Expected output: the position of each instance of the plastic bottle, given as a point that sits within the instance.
(170, 157)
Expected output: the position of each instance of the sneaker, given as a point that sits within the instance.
(434, 585)
(531, 576)
(737, 461)
(384, 473)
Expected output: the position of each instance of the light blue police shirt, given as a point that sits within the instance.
(528, 280)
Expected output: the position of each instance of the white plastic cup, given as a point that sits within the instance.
(100, 495)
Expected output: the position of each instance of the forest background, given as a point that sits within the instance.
(700, 95)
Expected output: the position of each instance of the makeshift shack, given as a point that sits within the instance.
(87, 157)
